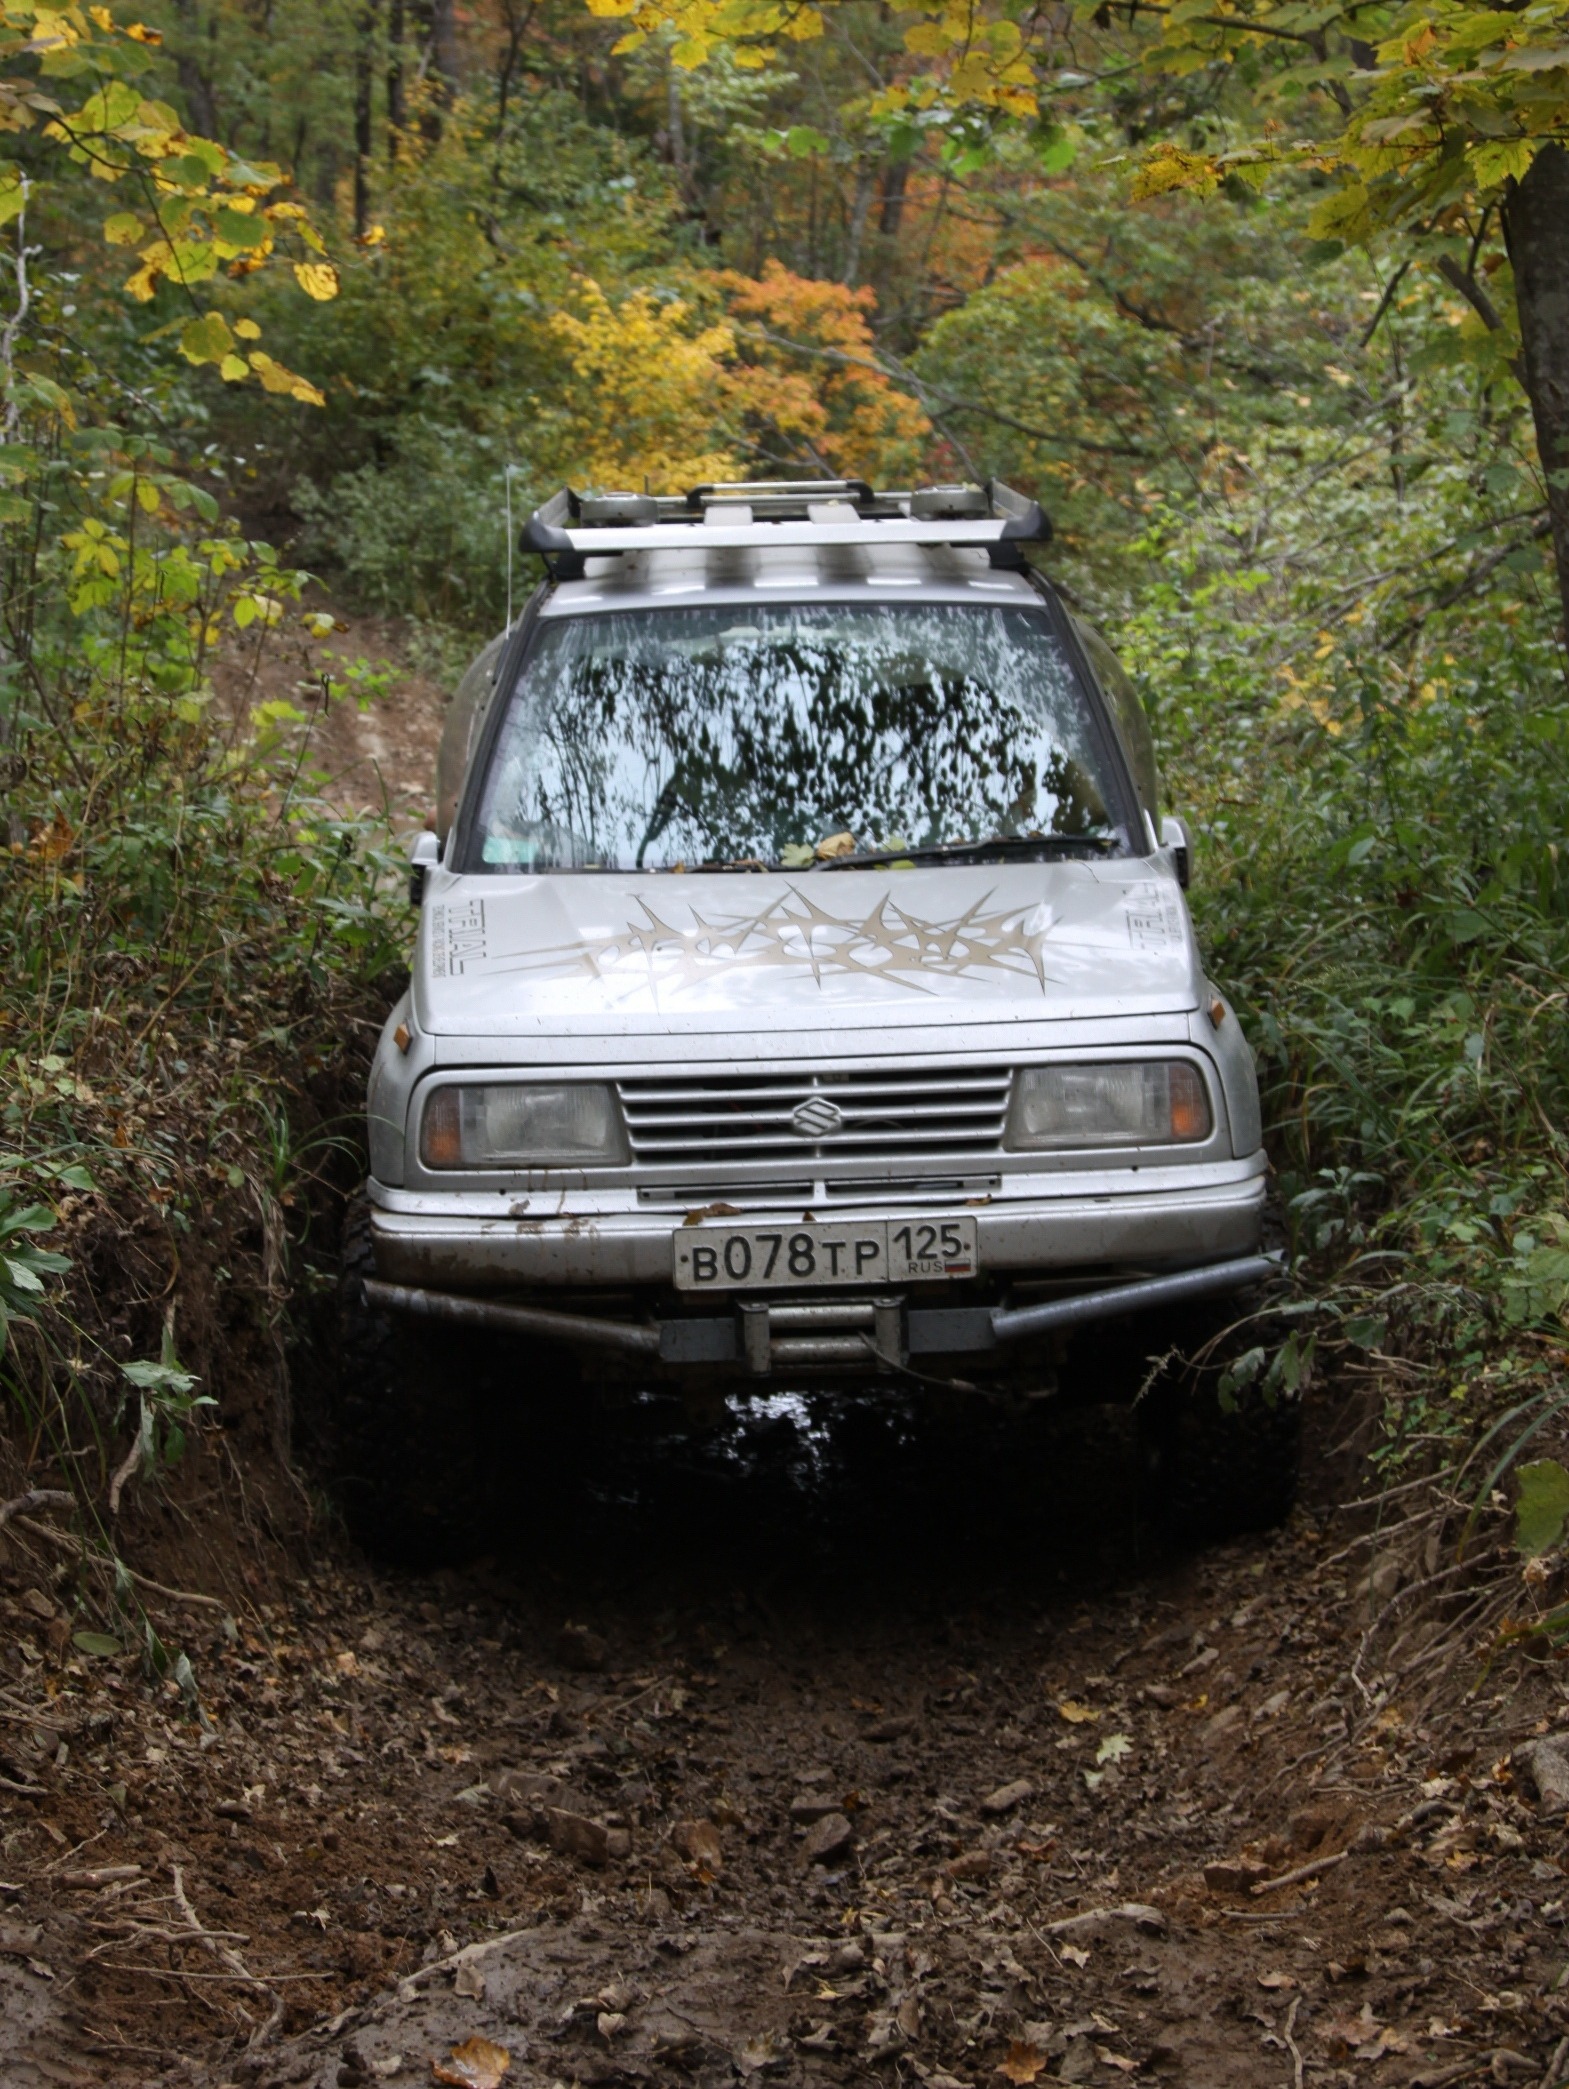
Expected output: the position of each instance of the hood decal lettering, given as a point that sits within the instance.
(1154, 917)
(457, 939)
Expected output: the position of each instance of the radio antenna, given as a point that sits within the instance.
(507, 475)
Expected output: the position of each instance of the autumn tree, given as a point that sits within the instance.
(1441, 124)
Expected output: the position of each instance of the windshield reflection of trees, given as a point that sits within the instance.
(721, 735)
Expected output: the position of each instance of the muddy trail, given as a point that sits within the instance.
(839, 1745)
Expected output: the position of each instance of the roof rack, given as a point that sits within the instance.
(572, 527)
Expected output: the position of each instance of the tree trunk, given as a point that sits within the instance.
(445, 58)
(396, 112)
(894, 182)
(364, 80)
(1536, 226)
(200, 103)
(860, 210)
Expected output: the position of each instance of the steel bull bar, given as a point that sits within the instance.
(765, 1337)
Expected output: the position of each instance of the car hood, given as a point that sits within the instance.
(609, 952)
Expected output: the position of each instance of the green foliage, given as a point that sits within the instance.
(1541, 1506)
(24, 1266)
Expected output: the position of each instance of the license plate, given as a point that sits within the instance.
(780, 1258)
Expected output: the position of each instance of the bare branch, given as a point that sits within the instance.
(1471, 290)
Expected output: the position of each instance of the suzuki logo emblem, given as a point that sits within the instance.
(816, 1118)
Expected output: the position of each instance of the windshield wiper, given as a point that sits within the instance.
(959, 851)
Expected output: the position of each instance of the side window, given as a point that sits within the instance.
(1133, 725)
(460, 730)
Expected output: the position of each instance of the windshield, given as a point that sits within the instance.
(791, 735)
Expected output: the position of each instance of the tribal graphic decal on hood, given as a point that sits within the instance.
(568, 947)
(888, 943)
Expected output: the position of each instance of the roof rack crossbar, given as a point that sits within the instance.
(749, 490)
(570, 527)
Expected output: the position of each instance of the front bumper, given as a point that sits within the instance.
(862, 1333)
(1169, 1217)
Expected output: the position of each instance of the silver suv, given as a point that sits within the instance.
(804, 986)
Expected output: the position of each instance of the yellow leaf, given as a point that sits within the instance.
(1075, 1713)
(207, 339)
(232, 369)
(139, 33)
(146, 497)
(475, 2064)
(928, 39)
(275, 378)
(1022, 2062)
(1169, 167)
(124, 229)
(318, 279)
(247, 329)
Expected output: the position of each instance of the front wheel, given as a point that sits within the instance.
(1210, 1475)
(404, 1440)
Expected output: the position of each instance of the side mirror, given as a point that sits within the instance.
(423, 856)
(1174, 836)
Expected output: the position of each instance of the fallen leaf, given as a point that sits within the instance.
(699, 1843)
(476, 2064)
(1074, 1955)
(1118, 2060)
(1113, 1748)
(757, 2054)
(1075, 1713)
(1021, 2063)
(1274, 1980)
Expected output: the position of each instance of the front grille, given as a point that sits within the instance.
(909, 1115)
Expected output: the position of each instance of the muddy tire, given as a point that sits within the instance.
(1209, 1475)
(406, 1427)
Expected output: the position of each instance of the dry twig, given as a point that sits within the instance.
(212, 1942)
(34, 1498)
(1302, 1872)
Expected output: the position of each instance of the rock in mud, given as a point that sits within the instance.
(1008, 1796)
(830, 1838)
(575, 1835)
(580, 1649)
(1546, 1767)
(811, 1808)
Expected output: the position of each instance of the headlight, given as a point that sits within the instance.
(1159, 1103)
(516, 1125)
